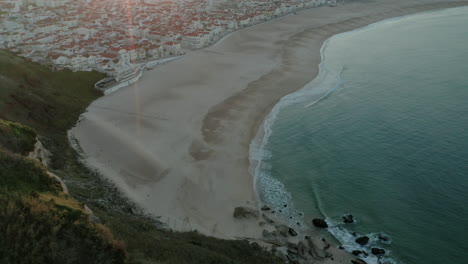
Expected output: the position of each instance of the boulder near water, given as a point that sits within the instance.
(321, 223)
(377, 251)
(362, 240)
(348, 219)
(292, 232)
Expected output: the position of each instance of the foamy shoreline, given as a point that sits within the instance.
(177, 142)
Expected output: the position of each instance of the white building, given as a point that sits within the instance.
(172, 48)
(124, 57)
(79, 63)
(193, 41)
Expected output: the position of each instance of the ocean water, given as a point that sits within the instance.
(381, 133)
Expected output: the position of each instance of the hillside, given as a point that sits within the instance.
(48, 226)
(41, 223)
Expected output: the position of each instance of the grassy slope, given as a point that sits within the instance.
(16, 137)
(50, 103)
(38, 222)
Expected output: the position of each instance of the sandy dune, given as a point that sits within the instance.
(177, 141)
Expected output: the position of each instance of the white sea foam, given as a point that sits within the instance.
(348, 241)
(269, 190)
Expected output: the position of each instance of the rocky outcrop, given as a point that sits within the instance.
(245, 212)
(282, 229)
(362, 240)
(274, 237)
(293, 249)
(62, 183)
(313, 249)
(292, 232)
(377, 251)
(301, 249)
(348, 219)
(359, 252)
(40, 153)
(268, 219)
(320, 223)
(91, 216)
(281, 252)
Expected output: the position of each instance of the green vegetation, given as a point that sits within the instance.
(36, 229)
(48, 101)
(16, 138)
(145, 244)
(41, 232)
(48, 226)
(19, 174)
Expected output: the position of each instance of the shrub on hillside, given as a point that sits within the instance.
(16, 138)
(36, 231)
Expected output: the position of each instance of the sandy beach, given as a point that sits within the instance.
(177, 142)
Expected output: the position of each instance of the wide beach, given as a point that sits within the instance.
(177, 142)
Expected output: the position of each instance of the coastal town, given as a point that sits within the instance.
(116, 37)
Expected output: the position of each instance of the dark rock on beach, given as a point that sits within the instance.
(292, 232)
(282, 229)
(293, 248)
(359, 252)
(362, 240)
(320, 223)
(265, 208)
(378, 251)
(274, 237)
(245, 212)
(348, 219)
(301, 248)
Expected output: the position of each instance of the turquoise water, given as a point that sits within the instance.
(381, 133)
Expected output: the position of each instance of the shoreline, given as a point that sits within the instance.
(335, 232)
(261, 138)
(180, 147)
